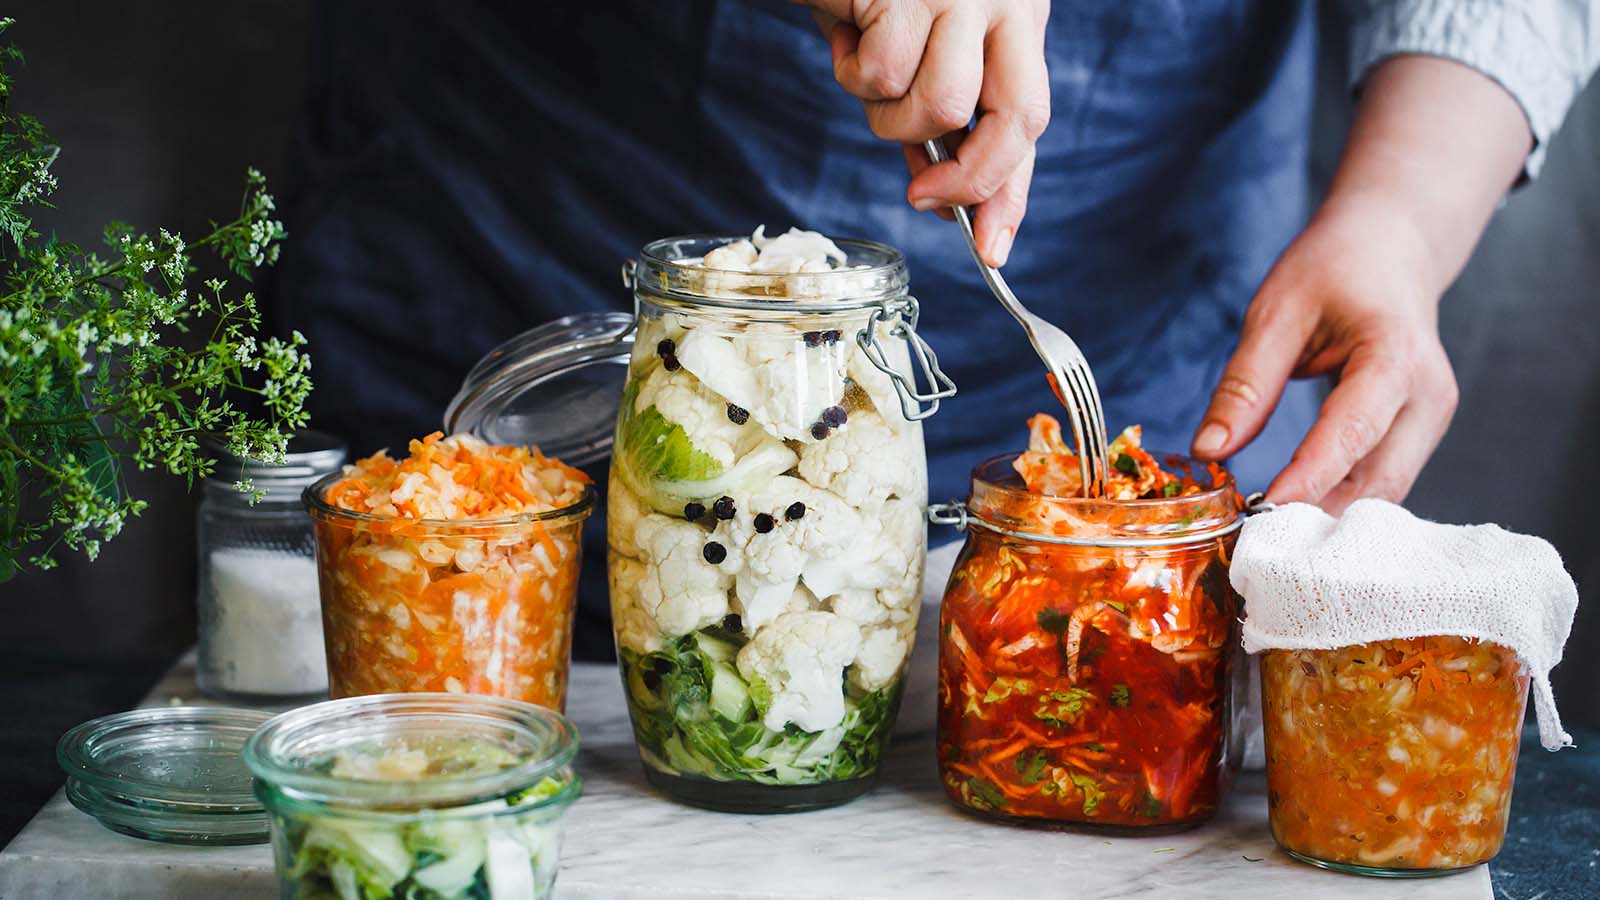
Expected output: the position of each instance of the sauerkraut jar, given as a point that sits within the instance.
(454, 569)
(1088, 655)
(766, 506)
(1394, 757)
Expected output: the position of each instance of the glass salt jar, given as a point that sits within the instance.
(260, 633)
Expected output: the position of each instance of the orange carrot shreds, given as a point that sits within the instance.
(1086, 684)
(1396, 754)
(457, 477)
(461, 575)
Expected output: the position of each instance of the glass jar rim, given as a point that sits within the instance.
(318, 506)
(277, 753)
(1207, 515)
(660, 274)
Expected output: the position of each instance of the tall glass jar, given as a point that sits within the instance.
(257, 576)
(1089, 672)
(1394, 757)
(766, 527)
(442, 796)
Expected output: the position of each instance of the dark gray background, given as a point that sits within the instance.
(160, 106)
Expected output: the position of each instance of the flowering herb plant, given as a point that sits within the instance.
(94, 372)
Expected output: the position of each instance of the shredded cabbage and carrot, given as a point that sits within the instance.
(428, 595)
(1086, 683)
(1396, 754)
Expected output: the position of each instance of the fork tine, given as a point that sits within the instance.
(1085, 428)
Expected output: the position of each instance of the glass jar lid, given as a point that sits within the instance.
(404, 752)
(170, 773)
(556, 386)
(310, 455)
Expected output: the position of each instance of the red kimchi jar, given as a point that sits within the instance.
(1088, 653)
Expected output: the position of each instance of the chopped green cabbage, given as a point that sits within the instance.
(694, 713)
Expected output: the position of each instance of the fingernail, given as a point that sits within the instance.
(1000, 248)
(1210, 439)
(924, 204)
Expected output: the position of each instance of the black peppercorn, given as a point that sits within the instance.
(714, 553)
(737, 414)
(834, 416)
(693, 511)
(666, 348)
(732, 622)
(831, 335)
(820, 431)
(670, 362)
(764, 523)
(795, 511)
(723, 508)
(812, 338)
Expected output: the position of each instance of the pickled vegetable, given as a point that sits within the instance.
(1088, 684)
(1396, 754)
(452, 575)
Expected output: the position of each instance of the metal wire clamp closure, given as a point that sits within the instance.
(954, 514)
(902, 314)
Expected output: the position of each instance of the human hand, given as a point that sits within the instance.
(1352, 296)
(923, 68)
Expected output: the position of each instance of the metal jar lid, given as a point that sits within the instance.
(309, 456)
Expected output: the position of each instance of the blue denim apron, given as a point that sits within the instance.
(459, 179)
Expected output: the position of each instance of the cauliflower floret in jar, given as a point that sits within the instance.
(623, 512)
(636, 628)
(680, 590)
(878, 660)
(822, 547)
(800, 658)
(738, 256)
(783, 384)
(861, 463)
(793, 251)
(883, 550)
(681, 400)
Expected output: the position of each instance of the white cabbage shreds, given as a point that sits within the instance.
(458, 571)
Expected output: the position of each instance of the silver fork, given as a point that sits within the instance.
(1060, 354)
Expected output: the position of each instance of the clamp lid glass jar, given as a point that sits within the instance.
(1088, 658)
(765, 519)
(257, 575)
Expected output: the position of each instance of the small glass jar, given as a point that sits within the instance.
(1087, 671)
(480, 606)
(416, 795)
(766, 528)
(257, 576)
(1393, 758)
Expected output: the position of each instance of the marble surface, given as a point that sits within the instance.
(624, 841)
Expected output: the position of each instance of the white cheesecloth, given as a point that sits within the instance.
(1314, 582)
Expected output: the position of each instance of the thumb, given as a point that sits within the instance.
(1274, 335)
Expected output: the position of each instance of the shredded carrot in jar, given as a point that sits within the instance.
(451, 581)
(1396, 754)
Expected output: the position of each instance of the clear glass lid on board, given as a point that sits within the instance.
(172, 774)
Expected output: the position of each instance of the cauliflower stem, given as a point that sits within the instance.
(695, 715)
